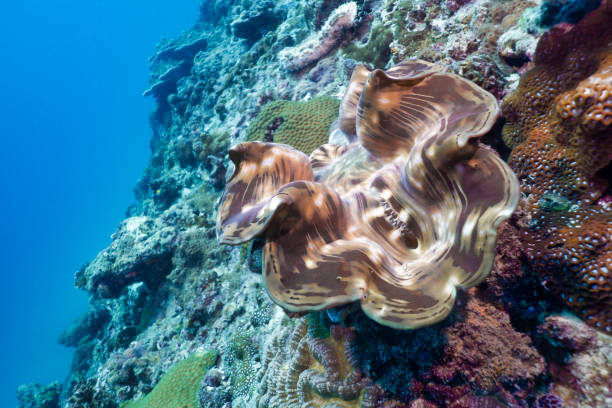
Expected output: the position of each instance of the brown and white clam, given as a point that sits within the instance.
(395, 220)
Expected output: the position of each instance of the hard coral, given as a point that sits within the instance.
(179, 386)
(560, 129)
(583, 378)
(306, 371)
(302, 125)
(396, 220)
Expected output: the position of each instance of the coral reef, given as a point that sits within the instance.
(141, 251)
(39, 396)
(165, 290)
(474, 356)
(335, 31)
(179, 386)
(254, 23)
(172, 61)
(559, 125)
(507, 359)
(462, 35)
(362, 226)
(302, 125)
(582, 378)
(302, 370)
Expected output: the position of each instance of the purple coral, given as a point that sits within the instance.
(549, 401)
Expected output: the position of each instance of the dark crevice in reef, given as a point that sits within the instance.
(604, 177)
(518, 61)
(493, 138)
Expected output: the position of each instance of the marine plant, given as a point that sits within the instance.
(397, 219)
(559, 125)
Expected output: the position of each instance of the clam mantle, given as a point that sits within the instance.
(396, 219)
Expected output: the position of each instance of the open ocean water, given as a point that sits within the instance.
(74, 140)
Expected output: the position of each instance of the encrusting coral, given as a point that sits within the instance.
(302, 125)
(582, 378)
(397, 219)
(559, 125)
(179, 386)
(310, 372)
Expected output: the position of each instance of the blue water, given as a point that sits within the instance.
(74, 140)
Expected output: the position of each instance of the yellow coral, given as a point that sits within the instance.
(179, 386)
(302, 125)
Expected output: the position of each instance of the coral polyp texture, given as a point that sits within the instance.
(559, 125)
(397, 219)
(306, 371)
(303, 125)
(179, 386)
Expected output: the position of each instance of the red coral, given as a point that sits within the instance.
(559, 123)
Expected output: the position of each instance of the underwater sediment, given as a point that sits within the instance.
(482, 167)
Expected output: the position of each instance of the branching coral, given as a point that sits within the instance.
(396, 220)
(311, 372)
(560, 127)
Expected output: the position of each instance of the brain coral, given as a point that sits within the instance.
(396, 220)
(559, 125)
(310, 372)
(179, 386)
(303, 125)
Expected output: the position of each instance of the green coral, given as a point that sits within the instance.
(179, 386)
(554, 203)
(305, 125)
(376, 51)
(213, 143)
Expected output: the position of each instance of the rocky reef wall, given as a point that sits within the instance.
(165, 292)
